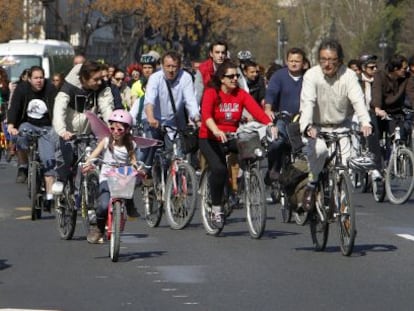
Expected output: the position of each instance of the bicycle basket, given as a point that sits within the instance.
(121, 182)
(247, 143)
(190, 140)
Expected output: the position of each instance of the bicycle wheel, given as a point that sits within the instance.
(285, 208)
(89, 195)
(206, 206)
(180, 196)
(255, 202)
(346, 214)
(300, 218)
(153, 197)
(66, 213)
(318, 221)
(34, 189)
(115, 225)
(399, 178)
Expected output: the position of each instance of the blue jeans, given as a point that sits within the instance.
(46, 145)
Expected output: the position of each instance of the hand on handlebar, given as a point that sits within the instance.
(153, 123)
(221, 136)
(66, 135)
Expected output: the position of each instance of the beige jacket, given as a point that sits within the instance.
(332, 101)
(67, 119)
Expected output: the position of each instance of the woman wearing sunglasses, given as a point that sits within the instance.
(119, 148)
(221, 111)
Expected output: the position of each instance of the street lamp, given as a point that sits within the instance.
(282, 41)
(278, 22)
(383, 45)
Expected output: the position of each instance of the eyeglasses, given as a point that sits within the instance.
(119, 130)
(330, 61)
(232, 76)
(372, 67)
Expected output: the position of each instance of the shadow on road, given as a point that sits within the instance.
(359, 250)
(3, 264)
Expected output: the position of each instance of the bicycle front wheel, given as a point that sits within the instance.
(180, 196)
(115, 237)
(206, 206)
(318, 221)
(399, 178)
(34, 189)
(66, 213)
(255, 202)
(346, 214)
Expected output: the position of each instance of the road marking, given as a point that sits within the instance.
(168, 289)
(406, 236)
(27, 310)
(22, 218)
(24, 209)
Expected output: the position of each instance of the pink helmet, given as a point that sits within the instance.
(121, 116)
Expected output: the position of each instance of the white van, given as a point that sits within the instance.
(52, 55)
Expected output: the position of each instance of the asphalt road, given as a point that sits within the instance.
(163, 269)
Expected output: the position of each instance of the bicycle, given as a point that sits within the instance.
(35, 180)
(399, 172)
(121, 183)
(172, 188)
(65, 203)
(333, 198)
(251, 152)
(283, 189)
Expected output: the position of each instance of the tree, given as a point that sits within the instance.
(11, 13)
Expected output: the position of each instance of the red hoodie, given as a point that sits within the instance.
(206, 69)
(226, 110)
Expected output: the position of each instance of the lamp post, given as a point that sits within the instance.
(383, 45)
(283, 39)
(278, 22)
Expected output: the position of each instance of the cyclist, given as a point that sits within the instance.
(82, 90)
(355, 65)
(329, 97)
(222, 107)
(118, 80)
(283, 94)
(217, 55)
(255, 84)
(118, 148)
(31, 108)
(369, 66)
(148, 64)
(169, 100)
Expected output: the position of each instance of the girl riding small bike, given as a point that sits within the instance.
(118, 148)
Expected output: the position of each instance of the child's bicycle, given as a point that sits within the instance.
(121, 184)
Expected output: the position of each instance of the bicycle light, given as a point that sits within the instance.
(57, 188)
(258, 152)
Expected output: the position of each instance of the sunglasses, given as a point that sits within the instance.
(119, 79)
(118, 130)
(232, 76)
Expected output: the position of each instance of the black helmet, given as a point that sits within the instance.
(147, 59)
(367, 59)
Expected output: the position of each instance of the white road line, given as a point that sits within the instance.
(406, 236)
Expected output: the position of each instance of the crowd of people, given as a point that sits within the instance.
(216, 95)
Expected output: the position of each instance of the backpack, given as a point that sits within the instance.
(294, 179)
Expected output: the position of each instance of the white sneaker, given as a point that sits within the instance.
(376, 175)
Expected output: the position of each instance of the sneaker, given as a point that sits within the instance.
(95, 236)
(21, 175)
(48, 205)
(218, 220)
(376, 175)
(309, 198)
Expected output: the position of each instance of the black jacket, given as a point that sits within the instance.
(22, 95)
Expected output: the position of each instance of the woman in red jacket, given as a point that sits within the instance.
(221, 112)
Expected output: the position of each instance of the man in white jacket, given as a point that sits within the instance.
(330, 96)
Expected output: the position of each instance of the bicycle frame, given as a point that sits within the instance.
(110, 217)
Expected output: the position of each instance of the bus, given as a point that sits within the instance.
(52, 55)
